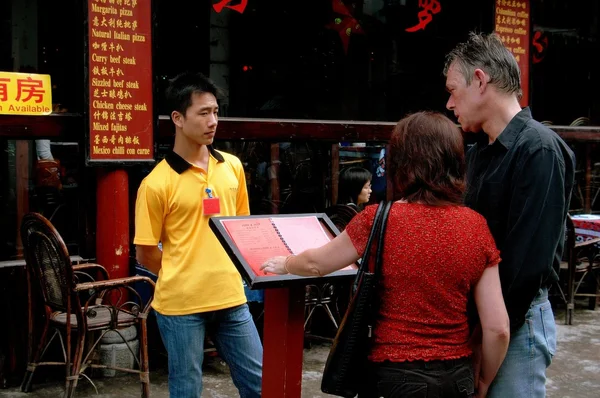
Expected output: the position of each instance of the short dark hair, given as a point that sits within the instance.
(183, 86)
(350, 184)
(488, 53)
(427, 160)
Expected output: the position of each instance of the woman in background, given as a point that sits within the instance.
(354, 187)
(437, 252)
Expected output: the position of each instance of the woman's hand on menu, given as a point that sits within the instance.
(275, 265)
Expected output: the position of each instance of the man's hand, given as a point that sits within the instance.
(482, 389)
(150, 257)
(475, 343)
(476, 358)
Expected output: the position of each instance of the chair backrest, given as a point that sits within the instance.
(580, 121)
(341, 215)
(47, 261)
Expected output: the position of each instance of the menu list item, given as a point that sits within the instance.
(512, 24)
(120, 80)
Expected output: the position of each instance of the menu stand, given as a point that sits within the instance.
(283, 331)
(283, 339)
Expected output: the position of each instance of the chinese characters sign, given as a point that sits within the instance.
(120, 80)
(25, 94)
(512, 25)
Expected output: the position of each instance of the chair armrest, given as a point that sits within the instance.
(112, 283)
(91, 266)
(103, 287)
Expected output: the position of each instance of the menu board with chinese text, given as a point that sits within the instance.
(512, 24)
(120, 80)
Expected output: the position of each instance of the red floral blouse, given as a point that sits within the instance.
(432, 259)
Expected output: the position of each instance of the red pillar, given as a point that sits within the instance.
(283, 340)
(112, 222)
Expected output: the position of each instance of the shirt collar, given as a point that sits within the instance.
(180, 165)
(512, 130)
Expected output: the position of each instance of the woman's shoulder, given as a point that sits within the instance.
(456, 211)
(458, 214)
(470, 214)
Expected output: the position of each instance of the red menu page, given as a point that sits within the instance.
(257, 240)
(303, 233)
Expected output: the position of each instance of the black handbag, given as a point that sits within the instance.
(345, 367)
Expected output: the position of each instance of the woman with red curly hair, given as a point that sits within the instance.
(437, 253)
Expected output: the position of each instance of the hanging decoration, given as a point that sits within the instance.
(225, 4)
(429, 9)
(344, 23)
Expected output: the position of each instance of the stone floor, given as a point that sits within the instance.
(575, 372)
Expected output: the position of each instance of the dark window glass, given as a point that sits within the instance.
(294, 59)
(565, 73)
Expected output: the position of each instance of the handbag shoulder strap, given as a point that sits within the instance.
(372, 236)
(380, 241)
(364, 262)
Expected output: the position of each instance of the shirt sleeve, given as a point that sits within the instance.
(149, 215)
(359, 228)
(491, 252)
(535, 225)
(242, 204)
(43, 150)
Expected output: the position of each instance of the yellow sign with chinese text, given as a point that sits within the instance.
(25, 94)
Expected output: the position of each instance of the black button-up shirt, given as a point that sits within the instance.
(521, 183)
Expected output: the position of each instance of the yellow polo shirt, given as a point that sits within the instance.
(196, 275)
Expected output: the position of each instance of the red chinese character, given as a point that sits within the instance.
(225, 4)
(539, 45)
(4, 89)
(32, 88)
(429, 7)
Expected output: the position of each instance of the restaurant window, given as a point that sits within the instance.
(566, 80)
(42, 175)
(317, 59)
(60, 52)
(46, 177)
(566, 76)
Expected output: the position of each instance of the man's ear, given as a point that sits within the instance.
(177, 118)
(481, 79)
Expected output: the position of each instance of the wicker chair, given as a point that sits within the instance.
(341, 215)
(77, 308)
(580, 121)
(582, 261)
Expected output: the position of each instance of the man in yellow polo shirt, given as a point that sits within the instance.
(198, 287)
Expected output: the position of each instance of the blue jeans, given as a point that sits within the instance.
(523, 372)
(236, 341)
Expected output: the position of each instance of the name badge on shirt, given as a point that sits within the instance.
(211, 206)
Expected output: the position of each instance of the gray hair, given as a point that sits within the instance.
(488, 53)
